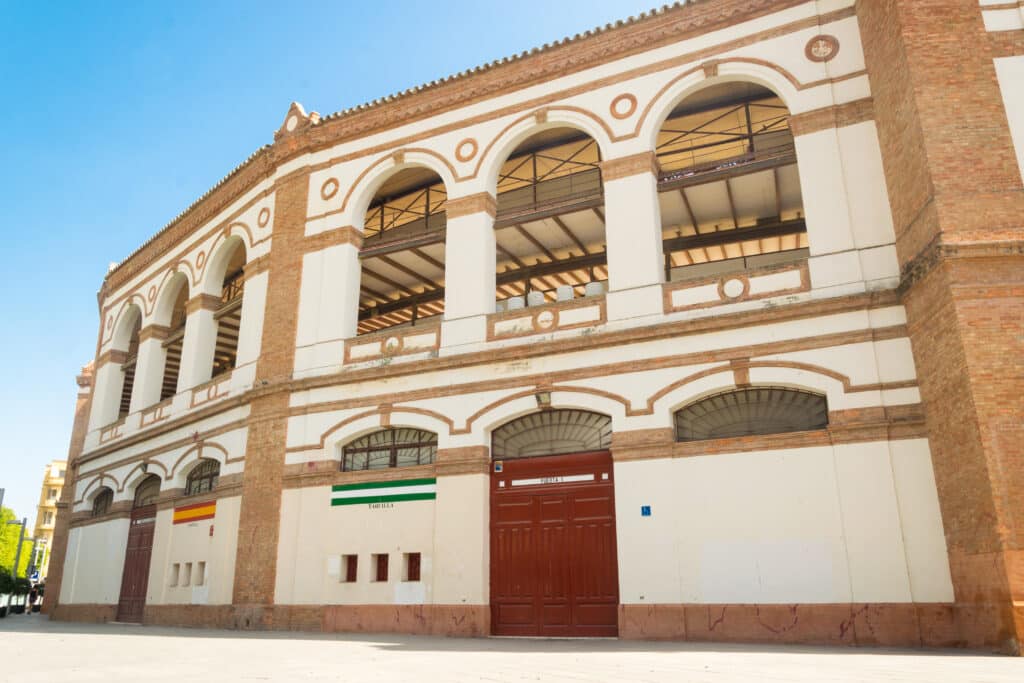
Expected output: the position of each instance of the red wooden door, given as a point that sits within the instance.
(135, 577)
(554, 570)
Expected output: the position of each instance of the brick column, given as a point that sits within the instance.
(260, 514)
(958, 208)
(59, 546)
(636, 266)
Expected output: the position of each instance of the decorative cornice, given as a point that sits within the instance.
(937, 251)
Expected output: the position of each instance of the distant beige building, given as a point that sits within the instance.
(46, 511)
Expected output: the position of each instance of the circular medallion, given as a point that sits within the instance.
(291, 123)
(545, 319)
(466, 150)
(822, 48)
(329, 188)
(733, 288)
(392, 344)
(263, 218)
(623, 106)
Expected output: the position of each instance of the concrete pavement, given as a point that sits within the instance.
(32, 649)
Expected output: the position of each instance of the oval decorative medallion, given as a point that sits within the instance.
(733, 288)
(329, 188)
(822, 48)
(263, 218)
(545, 319)
(623, 106)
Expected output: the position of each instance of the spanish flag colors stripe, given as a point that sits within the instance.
(195, 513)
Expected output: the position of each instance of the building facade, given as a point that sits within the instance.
(46, 513)
(706, 325)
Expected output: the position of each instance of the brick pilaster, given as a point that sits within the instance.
(259, 521)
(958, 208)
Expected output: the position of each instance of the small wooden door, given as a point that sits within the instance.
(554, 570)
(135, 578)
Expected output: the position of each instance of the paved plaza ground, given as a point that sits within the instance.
(32, 649)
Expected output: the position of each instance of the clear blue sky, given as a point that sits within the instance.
(116, 116)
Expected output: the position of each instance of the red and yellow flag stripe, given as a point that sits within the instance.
(195, 512)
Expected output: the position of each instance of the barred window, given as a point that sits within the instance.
(101, 503)
(203, 477)
(552, 432)
(146, 493)
(394, 447)
(749, 412)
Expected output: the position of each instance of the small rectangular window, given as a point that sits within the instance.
(52, 493)
(412, 567)
(186, 578)
(350, 568)
(380, 566)
(175, 571)
(200, 574)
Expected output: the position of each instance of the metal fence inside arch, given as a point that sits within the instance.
(552, 432)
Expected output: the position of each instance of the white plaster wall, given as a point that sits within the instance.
(193, 542)
(451, 533)
(94, 563)
(1010, 72)
(810, 525)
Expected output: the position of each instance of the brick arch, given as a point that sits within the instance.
(135, 475)
(211, 279)
(120, 332)
(201, 451)
(367, 421)
(167, 293)
(98, 479)
(362, 190)
(512, 406)
(497, 151)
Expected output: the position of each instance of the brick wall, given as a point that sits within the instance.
(958, 208)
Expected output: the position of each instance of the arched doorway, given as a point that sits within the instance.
(135, 577)
(554, 570)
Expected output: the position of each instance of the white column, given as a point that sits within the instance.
(149, 368)
(469, 269)
(328, 304)
(254, 298)
(106, 397)
(198, 345)
(834, 262)
(633, 235)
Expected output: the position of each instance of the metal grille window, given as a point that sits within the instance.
(749, 412)
(146, 493)
(101, 503)
(552, 432)
(395, 447)
(203, 477)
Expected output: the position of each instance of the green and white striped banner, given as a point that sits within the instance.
(384, 492)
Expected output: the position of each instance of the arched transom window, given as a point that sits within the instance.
(393, 447)
(101, 503)
(203, 477)
(146, 493)
(753, 411)
(552, 432)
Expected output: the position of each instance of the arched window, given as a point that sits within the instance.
(175, 340)
(146, 492)
(101, 503)
(128, 368)
(753, 411)
(203, 477)
(393, 447)
(229, 314)
(552, 432)
(729, 190)
(402, 258)
(550, 232)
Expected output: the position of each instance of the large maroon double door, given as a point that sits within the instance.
(554, 570)
(135, 578)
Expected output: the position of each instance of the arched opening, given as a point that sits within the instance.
(175, 339)
(229, 314)
(203, 477)
(729, 190)
(550, 237)
(101, 501)
(750, 412)
(552, 432)
(391, 447)
(147, 491)
(130, 365)
(402, 258)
